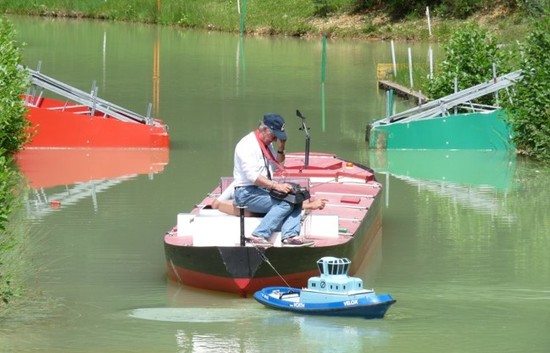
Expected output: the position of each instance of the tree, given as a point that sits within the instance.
(528, 110)
(13, 83)
(13, 135)
(469, 57)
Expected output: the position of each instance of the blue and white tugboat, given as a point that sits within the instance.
(333, 293)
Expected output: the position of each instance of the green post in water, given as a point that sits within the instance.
(323, 69)
(243, 14)
(389, 103)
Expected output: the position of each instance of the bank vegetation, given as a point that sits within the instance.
(360, 19)
(13, 136)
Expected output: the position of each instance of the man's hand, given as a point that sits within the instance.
(282, 187)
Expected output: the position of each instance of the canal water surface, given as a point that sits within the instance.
(465, 240)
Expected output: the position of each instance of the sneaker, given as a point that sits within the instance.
(258, 241)
(296, 242)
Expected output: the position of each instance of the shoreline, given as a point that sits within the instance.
(506, 26)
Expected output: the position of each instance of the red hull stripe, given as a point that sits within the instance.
(242, 286)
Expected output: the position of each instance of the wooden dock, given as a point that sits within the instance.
(403, 91)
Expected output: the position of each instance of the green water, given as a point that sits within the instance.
(465, 241)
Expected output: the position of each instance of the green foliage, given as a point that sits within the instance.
(399, 9)
(4, 192)
(8, 183)
(529, 109)
(13, 136)
(458, 8)
(13, 125)
(291, 17)
(534, 8)
(13, 83)
(323, 7)
(8, 199)
(469, 57)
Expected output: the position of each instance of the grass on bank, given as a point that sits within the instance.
(304, 18)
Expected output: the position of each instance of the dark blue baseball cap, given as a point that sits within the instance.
(277, 124)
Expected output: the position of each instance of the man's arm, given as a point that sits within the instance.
(281, 151)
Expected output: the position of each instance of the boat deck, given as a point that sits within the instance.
(349, 189)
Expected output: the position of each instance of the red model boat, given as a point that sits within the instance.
(205, 249)
(83, 120)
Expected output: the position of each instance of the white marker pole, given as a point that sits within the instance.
(410, 68)
(431, 58)
(393, 59)
(429, 22)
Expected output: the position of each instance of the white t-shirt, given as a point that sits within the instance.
(249, 161)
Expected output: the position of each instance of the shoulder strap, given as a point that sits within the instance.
(266, 151)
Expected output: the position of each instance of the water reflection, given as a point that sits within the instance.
(249, 328)
(473, 179)
(444, 263)
(479, 169)
(62, 177)
(156, 73)
(209, 321)
(189, 315)
(332, 334)
(240, 66)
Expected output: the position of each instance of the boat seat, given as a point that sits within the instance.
(218, 229)
(215, 228)
(321, 225)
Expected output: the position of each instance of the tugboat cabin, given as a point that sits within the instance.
(333, 281)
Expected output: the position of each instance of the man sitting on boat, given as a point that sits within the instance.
(254, 165)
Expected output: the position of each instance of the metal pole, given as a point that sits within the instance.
(241, 218)
(304, 127)
(456, 90)
(431, 58)
(429, 22)
(495, 81)
(243, 15)
(323, 75)
(410, 68)
(393, 59)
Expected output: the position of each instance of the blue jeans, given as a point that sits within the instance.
(280, 215)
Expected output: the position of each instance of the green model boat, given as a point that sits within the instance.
(453, 122)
